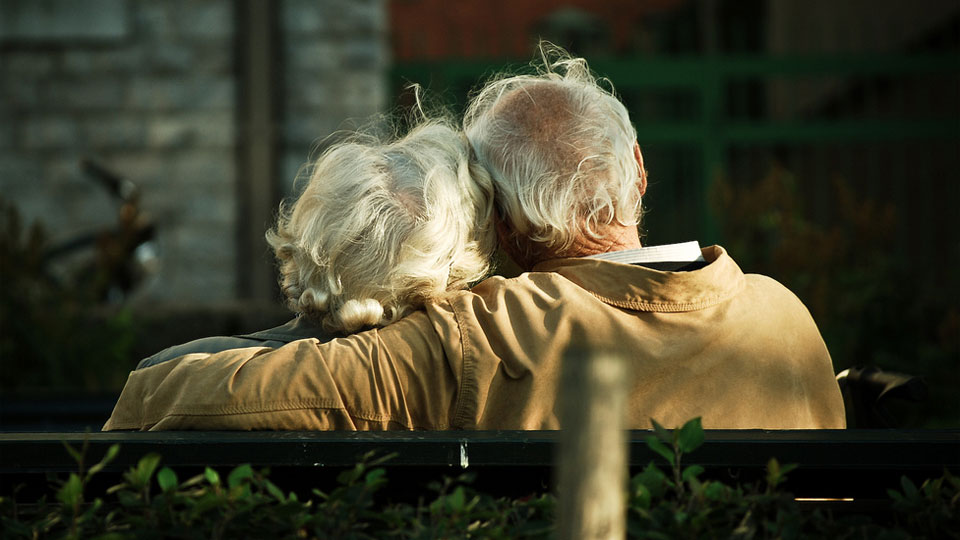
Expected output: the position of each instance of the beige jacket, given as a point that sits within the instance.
(741, 351)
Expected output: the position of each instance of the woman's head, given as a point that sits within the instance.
(383, 226)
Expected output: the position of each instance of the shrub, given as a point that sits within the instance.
(57, 335)
(153, 502)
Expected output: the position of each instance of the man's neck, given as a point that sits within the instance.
(614, 237)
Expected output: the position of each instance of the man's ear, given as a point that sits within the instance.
(642, 173)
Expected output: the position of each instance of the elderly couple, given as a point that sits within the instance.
(377, 253)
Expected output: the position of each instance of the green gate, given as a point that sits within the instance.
(696, 114)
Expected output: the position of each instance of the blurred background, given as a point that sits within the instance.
(145, 146)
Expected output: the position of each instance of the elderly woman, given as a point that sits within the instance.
(380, 228)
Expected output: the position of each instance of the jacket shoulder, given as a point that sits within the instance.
(770, 287)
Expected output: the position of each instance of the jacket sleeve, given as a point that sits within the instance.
(391, 378)
(210, 345)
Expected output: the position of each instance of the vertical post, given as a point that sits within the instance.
(592, 469)
(256, 149)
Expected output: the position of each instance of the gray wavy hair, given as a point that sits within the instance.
(559, 148)
(384, 226)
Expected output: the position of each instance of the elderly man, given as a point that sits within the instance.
(702, 338)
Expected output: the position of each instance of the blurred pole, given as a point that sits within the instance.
(257, 146)
(593, 448)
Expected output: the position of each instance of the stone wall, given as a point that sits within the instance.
(335, 61)
(150, 89)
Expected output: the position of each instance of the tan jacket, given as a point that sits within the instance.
(741, 351)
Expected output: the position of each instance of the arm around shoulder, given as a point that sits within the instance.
(364, 381)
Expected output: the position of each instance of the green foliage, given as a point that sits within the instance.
(681, 504)
(673, 444)
(932, 508)
(56, 334)
(152, 503)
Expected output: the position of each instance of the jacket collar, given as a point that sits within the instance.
(300, 327)
(643, 289)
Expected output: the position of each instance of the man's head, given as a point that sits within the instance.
(561, 152)
(382, 227)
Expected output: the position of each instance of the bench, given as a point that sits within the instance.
(833, 464)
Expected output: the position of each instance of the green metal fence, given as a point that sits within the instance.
(701, 118)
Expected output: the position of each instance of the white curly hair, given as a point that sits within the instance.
(384, 226)
(560, 150)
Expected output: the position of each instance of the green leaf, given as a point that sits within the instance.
(211, 476)
(240, 491)
(167, 479)
(642, 496)
(239, 474)
(777, 473)
(128, 499)
(662, 433)
(657, 446)
(140, 476)
(696, 488)
(71, 491)
(691, 436)
(896, 496)
(368, 458)
(116, 488)
(207, 502)
(456, 500)
(931, 488)
(110, 455)
(375, 477)
(715, 491)
(192, 481)
(909, 488)
(654, 479)
(74, 453)
(692, 472)
(350, 476)
(92, 509)
(272, 489)
(773, 472)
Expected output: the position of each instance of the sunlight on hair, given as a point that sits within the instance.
(383, 226)
(559, 148)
